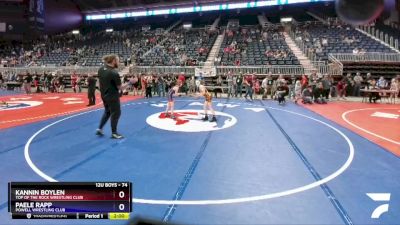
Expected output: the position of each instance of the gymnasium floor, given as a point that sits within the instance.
(260, 164)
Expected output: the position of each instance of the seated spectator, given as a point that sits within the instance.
(307, 95)
(319, 94)
(382, 84)
(281, 91)
(373, 96)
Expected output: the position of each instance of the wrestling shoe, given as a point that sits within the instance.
(205, 118)
(213, 119)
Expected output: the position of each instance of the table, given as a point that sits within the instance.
(382, 92)
(12, 84)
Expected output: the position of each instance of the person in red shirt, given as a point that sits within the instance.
(304, 82)
(182, 78)
(249, 87)
(341, 88)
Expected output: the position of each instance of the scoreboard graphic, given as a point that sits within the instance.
(70, 200)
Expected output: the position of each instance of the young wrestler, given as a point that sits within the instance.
(172, 92)
(207, 102)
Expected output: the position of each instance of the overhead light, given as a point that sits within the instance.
(75, 31)
(109, 30)
(187, 25)
(117, 15)
(286, 19)
(199, 8)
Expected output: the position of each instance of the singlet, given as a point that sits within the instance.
(171, 93)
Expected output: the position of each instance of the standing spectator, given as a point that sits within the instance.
(74, 82)
(91, 83)
(297, 91)
(143, 84)
(61, 83)
(229, 80)
(234, 87)
(149, 86)
(239, 81)
(192, 85)
(264, 86)
(349, 85)
(394, 86)
(219, 86)
(341, 88)
(36, 83)
(135, 85)
(161, 86)
(154, 85)
(326, 85)
(1, 81)
(357, 84)
(78, 83)
(249, 87)
(256, 85)
(27, 83)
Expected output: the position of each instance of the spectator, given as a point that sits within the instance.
(326, 84)
(249, 87)
(341, 89)
(281, 92)
(394, 86)
(319, 94)
(28, 83)
(382, 84)
(304, 82)
(307, 95)
(368, 80)
(373, 96)
(264, 86)
(297, 91)
(357, 84)
(239, 87)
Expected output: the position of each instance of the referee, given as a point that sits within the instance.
(110, 86)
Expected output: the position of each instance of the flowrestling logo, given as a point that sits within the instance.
(14, 105)
(384, 198)
(190, 121)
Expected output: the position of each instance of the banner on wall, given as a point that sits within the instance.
(205, 72)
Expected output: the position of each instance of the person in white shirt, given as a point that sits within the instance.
(357, 84)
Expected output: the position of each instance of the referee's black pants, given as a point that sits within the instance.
(112, 108)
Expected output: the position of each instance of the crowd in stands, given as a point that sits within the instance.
(181, 47)
(178, 47)
(255, 46)
(336, 38)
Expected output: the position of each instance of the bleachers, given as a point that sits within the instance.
(251, 46)
(181, 44)
(340, 39)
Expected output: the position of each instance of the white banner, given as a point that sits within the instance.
(205, 72)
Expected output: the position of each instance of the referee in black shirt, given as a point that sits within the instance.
(110, 86)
